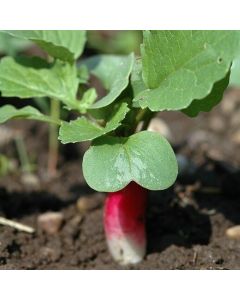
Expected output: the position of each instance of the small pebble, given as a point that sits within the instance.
(236, 137)
(6, 135)
(215, 154)
(229, 103)
(233, 232)
(197, 138)
(158, 125)
(50, 222)
(235, 119)
(89, 203)
(30, 180)
(216, 123)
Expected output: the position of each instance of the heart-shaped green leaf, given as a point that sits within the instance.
(20, 80)
(145, 157)
(8, 112)
(113, 71)
(66, 45)
(83, 130)
(210, 101)
(181, 66)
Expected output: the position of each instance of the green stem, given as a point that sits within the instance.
(53, 138)
(140, 115)
(144, 115)
(23, 155)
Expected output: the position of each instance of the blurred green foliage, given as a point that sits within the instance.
(11, 46)
(5, 165)
(115, 42)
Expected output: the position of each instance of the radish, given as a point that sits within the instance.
(124, 223)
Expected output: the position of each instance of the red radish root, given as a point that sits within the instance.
(124, 223)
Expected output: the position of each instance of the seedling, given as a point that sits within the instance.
(178, 70)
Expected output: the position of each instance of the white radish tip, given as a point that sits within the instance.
(125, 250)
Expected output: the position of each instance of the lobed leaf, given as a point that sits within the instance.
(182, 66)
(145, 157)
(20, 80)
(66, 45)
(82, 129)
(113, 71)
(8, 112)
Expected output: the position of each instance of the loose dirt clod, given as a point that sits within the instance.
(49, 255)
(233, 232)
(50, 222)
(236, 137)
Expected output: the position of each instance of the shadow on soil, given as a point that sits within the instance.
(169, 222)
(19, 204)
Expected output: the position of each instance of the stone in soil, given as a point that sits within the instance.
(50, 222)
(233, 232)
(89, 203)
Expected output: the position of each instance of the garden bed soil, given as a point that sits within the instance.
(186, 224)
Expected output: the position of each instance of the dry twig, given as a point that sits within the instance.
(16, 225)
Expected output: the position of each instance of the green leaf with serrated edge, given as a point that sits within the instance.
(102, 114)
(181, 66)
(59, 82)
(66, 45)
(235, 73)
(145, 157)
(206, 104)
(8, 112)
(83, 130)
(113, 71)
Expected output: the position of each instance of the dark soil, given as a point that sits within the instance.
(186, 224)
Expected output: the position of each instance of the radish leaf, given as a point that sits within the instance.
(8, 112)
(210, 101)
(180, 66)
(83, 130)
(113, 71)
(59, 82)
